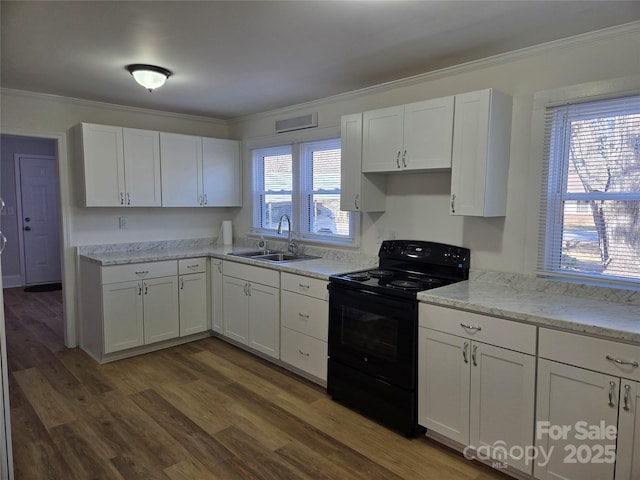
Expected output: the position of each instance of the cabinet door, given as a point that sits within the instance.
(628, 450)
(181, 162)
(103, 160)
(382, 133)
(264, 319)
(443, 384)
(194, 316)
(428, 134)
(217, 314)
(468, 170)
(502, 404)
(161, 315)
(358, 192)
(142, 168)
(235, 309)
(123, 320)
(568, 397)
(221, 173)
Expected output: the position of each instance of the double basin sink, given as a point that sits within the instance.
(277, 256)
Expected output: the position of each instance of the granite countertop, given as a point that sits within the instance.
(328, 263)
(599, 311)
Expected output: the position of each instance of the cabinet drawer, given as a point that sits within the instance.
(304, 352)
(590, 353)
(252, 274)
(192, 265)
(305, 285)
(305, 314)
(491, 330)
(138, 271)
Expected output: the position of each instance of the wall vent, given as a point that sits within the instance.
(297, 123)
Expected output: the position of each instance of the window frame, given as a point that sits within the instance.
(302, 190)
(555, 192)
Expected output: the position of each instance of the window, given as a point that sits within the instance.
(301, 180)
(590, 225)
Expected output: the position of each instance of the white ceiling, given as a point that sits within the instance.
(235, 58)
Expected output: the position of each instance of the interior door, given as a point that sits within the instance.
(39, 222)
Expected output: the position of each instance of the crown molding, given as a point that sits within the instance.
(111, 106)
(569, 42)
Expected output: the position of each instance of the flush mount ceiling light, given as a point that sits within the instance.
(149, 76)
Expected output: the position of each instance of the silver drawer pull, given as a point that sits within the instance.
(303, 285)
(627, 398)
(612, 391)
(142, 272)
(633, 363)
(302, 315)
(465, 352)
(474, 353)
(303, 353)
(470, 327)
(195, 265)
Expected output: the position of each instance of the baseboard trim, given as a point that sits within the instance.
(12, 281)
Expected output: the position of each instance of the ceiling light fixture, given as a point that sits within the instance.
(149, 76)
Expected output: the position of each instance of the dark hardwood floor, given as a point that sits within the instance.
(205, 410)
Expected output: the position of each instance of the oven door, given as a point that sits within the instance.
(374, 333)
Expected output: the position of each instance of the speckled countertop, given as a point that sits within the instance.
(604, 312)
(329, 262)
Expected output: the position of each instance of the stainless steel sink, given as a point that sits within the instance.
(273, 256)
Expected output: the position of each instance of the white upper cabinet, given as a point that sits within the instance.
(221, 172)
(413, 137)
(103, 161)
(142, 168)
(480, 162)
(181, 159)
(200, 172)
(121, 166)
(358, 192)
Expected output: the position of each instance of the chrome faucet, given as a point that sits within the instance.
(292, 246)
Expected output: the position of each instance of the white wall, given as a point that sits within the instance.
(417, 204)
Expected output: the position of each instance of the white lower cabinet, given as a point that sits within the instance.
(476, 382)
(217, 314)
(194, 311)
(251, 307)
(305, 324)
(587, 408)
(139, 312)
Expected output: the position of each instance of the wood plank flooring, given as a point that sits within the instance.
(205, 410)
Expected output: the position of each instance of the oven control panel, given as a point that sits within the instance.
(431, 252)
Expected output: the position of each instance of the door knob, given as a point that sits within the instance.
(27, 228)
(28, 219)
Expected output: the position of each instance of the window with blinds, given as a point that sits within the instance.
(301, 180)
(590, 202)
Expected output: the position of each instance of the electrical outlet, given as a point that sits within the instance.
(124, 222)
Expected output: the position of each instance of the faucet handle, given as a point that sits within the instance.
(293, 247)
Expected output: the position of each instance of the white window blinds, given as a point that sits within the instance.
(590, 202)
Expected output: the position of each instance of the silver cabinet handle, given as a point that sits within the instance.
(453, 203)
(470, 327)
(611, 358)
(182, 284)
(146, 288)
(4, 241)
(465, 352)
(304, 285)
(194, 265)
(220, 267)
(474, 352)
(627, 398)
(612, 388)
(404, 161)
(139, 289)
(248, 289)
(303, 353)
(142, 272)
(2, 204)
(246, 286)
(206, 200)
(302, 315)
(121, 198)
(128, 198)
(398, 159)
(355, 202)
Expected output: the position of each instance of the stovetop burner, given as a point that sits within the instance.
(358, 276)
